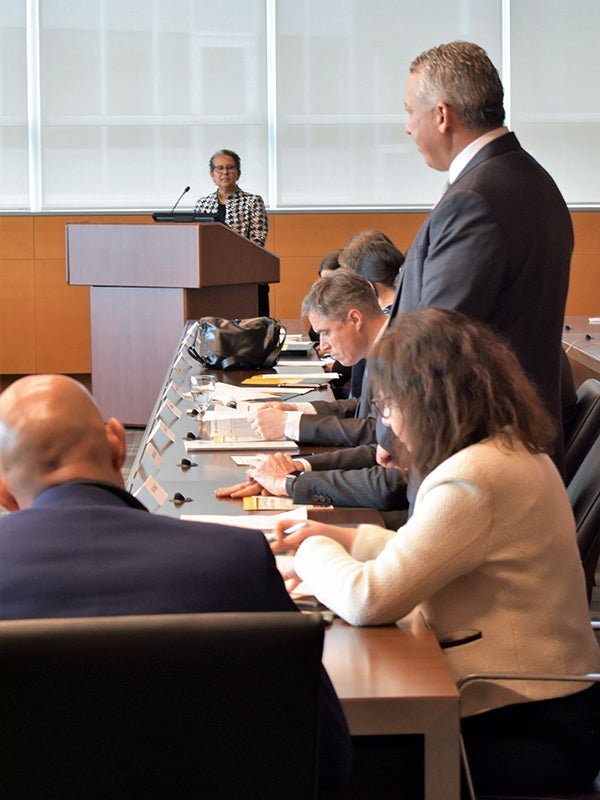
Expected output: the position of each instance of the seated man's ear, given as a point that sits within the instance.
(7, 500)
(115, 434)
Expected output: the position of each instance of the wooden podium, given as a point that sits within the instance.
(146, 280)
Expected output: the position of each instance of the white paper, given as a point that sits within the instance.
(309, 376)
(227, 393)
(255, 522)
(199, 445)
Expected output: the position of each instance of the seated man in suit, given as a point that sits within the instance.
(344, 311)
(78, 545)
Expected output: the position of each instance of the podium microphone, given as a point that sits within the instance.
(187, 188)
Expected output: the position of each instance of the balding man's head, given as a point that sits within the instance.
(51, 432)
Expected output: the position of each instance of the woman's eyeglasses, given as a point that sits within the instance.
(383, 406)
(220, 168)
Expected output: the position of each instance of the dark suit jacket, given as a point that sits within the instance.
(86, 549)
(498, 247)
(342, 423)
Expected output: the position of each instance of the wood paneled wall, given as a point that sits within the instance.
(44, 322)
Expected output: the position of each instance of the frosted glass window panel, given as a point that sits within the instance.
(127, 167)
(555, 95)
(153, 89)
(341, 70)
(14, 171)
(135, 95)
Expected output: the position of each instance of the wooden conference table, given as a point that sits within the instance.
(391, 680)
(581, 341)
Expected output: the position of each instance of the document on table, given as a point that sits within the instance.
(292, 379)
(206, 445)
(256, 522)
(229, 429)
(229, 395)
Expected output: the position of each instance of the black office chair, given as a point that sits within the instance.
(582, 430)
(182, 706)
(593, 794)
(584, 494)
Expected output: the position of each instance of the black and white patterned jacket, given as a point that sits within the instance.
(244, 213)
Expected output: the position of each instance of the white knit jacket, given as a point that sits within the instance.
(490, 547)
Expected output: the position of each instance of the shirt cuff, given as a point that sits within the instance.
(305, 408)
(292, 425)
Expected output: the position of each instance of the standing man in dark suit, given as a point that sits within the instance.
(79, 545)
(498, 244)
(497, 247)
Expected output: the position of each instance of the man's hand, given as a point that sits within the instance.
(244, 489)
(269, 423)
(292, 541)
(280, 405)
(270, 472)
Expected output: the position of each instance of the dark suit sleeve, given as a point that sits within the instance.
(339, 431)
(345, 407)
(336, 431)
(344, 458)
(372, 487)
(463, 260)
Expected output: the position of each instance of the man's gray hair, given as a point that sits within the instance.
(332, 298)
(461, 75)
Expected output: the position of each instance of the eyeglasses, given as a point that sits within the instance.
(383, 407)
(229, 168)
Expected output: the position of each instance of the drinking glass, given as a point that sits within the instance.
(202, 388)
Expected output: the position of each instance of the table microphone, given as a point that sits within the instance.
(187, 188)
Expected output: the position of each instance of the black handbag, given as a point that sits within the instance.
(238, 343)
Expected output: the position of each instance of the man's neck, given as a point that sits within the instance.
(470, 148)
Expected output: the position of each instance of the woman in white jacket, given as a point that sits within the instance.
(488, 556)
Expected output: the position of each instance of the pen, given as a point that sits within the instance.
(301, 385)
(295, 527)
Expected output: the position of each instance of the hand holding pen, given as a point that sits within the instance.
(290, 537)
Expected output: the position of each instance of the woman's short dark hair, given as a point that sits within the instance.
(231, 154)
(330, 262)
(380, 262)
(456, 382)
(358, 243)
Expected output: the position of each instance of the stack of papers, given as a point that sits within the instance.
(205, 445)
(290, 379)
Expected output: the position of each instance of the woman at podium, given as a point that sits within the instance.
(241, 211)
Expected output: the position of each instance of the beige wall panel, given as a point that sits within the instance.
(16, 237)
(297, 276)
(584, 286)
(17, 317)
(62, 315)
(587, 231)
(56, 316)
(316, 234)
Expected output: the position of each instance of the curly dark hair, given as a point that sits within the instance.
(456, 383)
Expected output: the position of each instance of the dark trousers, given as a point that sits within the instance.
(538, 747)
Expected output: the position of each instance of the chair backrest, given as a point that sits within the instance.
(185, 706)
(583, 428)
(584, 494)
